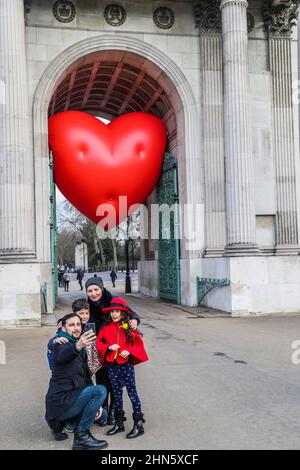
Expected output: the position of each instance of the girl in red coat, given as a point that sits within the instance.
(120, 349)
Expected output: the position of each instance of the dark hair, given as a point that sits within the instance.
(80, 304)
(125, 317)
(67, 317)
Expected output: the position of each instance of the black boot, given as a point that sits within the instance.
(56, 429)
(111, 416)
(119, 426)
(85, 441)
(102, 421)
(138, 428)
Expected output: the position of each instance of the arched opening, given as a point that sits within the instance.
(112, 83)
(108, 76)
(108, 84)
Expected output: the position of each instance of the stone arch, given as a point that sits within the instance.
(187, 114)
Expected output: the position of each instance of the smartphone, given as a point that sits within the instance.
(90, 326)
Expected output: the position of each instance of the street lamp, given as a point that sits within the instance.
(127, 279)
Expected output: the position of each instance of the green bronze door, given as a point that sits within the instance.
(53, 232)
(169, 243)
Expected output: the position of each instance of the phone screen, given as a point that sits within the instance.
(90, 326)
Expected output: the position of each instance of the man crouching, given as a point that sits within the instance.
(68, 394)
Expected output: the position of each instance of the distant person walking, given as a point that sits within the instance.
(113, 276)
(80, 276)
(66, 278)
(60, 278)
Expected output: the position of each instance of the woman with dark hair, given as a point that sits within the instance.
(98, 299)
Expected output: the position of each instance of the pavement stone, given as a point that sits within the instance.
(210, 383)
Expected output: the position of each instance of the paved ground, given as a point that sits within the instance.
(211, 383)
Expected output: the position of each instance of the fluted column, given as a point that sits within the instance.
(279, 21)
(240, 208)
(16, 161)
(208, 19)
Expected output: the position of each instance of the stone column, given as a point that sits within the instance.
(240, 204)
(279, 21)
(208, 19)
(16, 161)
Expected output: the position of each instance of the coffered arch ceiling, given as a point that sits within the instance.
(112, 83)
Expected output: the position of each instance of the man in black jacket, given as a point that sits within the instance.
(68, 394)
(99, 298)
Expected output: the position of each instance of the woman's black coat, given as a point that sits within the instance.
(100, 318)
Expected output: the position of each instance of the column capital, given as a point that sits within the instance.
(227, 3)
(207, 16)
(27, 5)
(280, 18)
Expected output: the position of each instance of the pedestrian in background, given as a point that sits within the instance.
(66, 278)
(113, 276)
(80, 276)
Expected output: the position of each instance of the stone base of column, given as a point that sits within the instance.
(287, 250)
(214, 252)
(16, 256)
(21, 302)
(241, 249)
(267, 251)
(259, 285)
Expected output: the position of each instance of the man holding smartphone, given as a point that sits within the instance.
(68, 396)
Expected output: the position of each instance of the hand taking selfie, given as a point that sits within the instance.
(85, 340)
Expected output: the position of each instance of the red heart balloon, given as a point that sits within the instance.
(96, 163)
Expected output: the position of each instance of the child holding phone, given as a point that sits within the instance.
(121, 348)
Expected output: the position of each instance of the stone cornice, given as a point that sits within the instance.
(280, 19)
(208, 18)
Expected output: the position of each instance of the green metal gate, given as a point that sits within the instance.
(169, 247)
(53, 231)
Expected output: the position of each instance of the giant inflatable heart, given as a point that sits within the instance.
(95, 163)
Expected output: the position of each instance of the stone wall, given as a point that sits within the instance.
(46, 39)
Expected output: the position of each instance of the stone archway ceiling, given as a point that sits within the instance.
(101, 86)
